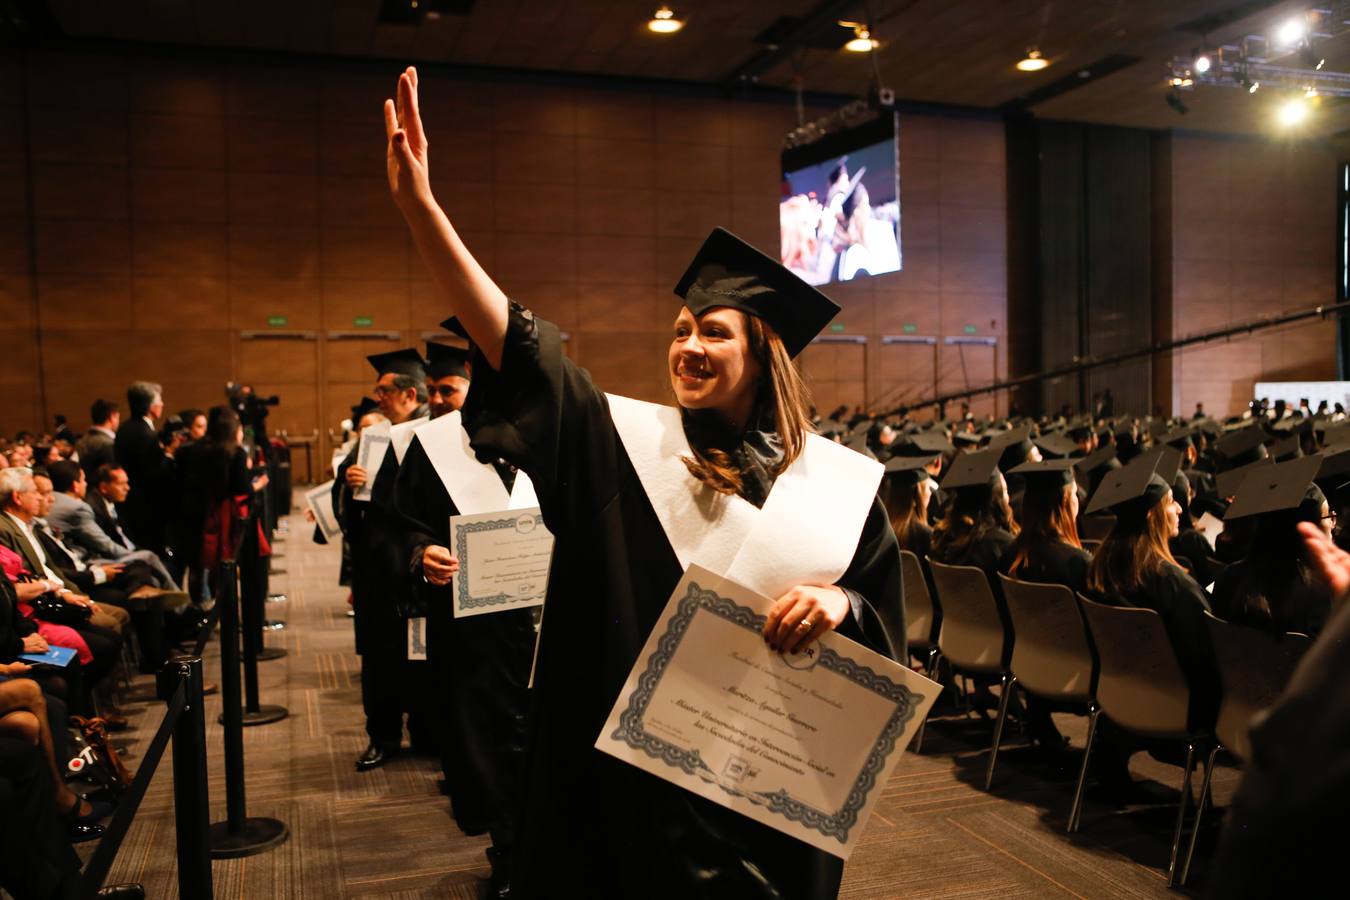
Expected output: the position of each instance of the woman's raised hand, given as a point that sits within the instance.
(406, 158)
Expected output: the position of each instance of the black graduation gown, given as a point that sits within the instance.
(1181, 602)
(1301, 606)
(593, 826)
(984, 554)
(1051, 562)
(1191, 544)
(480, 665)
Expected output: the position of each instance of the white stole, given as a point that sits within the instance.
(401, 435)
(806, 533)
(473, 486)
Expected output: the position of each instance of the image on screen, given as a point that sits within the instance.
(840, 210)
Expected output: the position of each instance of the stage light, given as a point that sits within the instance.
(664, 22)
(1201, 64)
(1033, 61)
(862, 42)
(1291, 32)
(1174, 101)
(1292, 112)
(1180, 82)
(1253, 87)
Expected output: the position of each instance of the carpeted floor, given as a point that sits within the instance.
(388, 833)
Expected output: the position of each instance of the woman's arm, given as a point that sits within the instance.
(470, 293)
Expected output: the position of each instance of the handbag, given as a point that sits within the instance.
(50, 608)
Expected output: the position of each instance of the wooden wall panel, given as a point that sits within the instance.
(189, 201)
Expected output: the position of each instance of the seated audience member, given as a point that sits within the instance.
(74, 518)
(36, 859)
(1273, 587)
(1189, 547)
(19, 635)
(95, 447)
(978, 527)
(906, 491)
(1046, 549)
(1134, 567)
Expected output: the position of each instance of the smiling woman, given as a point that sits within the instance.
(636, 493)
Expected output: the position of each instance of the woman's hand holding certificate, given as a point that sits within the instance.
(802, 742)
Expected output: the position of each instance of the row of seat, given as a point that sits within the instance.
(1098, 659)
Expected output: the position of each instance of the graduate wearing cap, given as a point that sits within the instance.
(635, 492)
(1189, 547)
(1134, 567)
(907, 491)
(978, 527)
(1272, 587)
(480, 665)
(1047, 549)
(380, 593)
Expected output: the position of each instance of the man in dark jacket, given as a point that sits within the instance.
(139, 452)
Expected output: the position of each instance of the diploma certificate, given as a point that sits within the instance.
(370, 456)
(803, 743)
(503, 560)
(319, 500)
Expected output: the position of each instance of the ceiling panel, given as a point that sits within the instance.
(934, 51)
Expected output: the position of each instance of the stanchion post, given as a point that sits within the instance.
(232, 716)
(191, 805)
(251, 604)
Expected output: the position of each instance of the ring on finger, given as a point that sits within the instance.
(804, 625)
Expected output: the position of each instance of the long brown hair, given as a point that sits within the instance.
(782, 394)
(1135, 548)
(901, 499)
(1047, 517)
(973, 514)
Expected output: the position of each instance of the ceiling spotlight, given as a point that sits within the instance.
(1033, 61)
(1174, 101)
(862, 42)
(1201, 64)
(1292, 112)
(1291, 32)
(664, 22)
(1251, 89)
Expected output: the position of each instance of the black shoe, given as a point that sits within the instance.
(78, 834)
(499, 882)
(374, 757)
(123, 892)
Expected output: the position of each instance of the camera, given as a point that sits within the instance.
(251, 408)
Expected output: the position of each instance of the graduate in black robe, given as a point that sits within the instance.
(380, 582)
(591, 825)
(1047, 549)
(476, 696)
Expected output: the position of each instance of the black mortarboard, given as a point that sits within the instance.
(1012, 446)
(1286, 449)
(366, 405)
(1057, 445)
(923, 443)
(1179, 438)
(908, 469)
(857, 442)
(970, 470)
(1287, 485)
(1242, 446)
(1094, 461)
(1208, 426)
(727, 271)
(1081, 429)
(1335, 468)
(444, 361)
(969, 439)
(1227, 484)
(1336, 434)
(1048, 475)
(400, 362)
(454, 326)
(1133, 489)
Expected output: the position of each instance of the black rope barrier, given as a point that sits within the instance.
(185, 724)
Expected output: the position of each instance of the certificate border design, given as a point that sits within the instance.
(837, 825)
(462, 551)
(328, 525)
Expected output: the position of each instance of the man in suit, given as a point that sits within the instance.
(139, 453)
(20, 504)
(111, 487)
(95, 448)
(74, 518)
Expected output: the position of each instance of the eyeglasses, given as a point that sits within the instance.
(444, 390)
(384, 390)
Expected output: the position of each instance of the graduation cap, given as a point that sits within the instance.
(1279, 487)
(444, 361)
(1012, 446)
(727, 271)
(967, 439)
(1081, 430)
(1246, 445)
(1227, 484)
(1338, 433)
(1133, 489)
(1098, 458)
(400, 362)
(1285, 450)
(366, 405)
(923, 443)
(1179, 437)
(1335, 468)
(908, 469)
(1207, 426)
(1048, 475)
(454, 326)
(971, 470)
(1057, 445)
(857, 442)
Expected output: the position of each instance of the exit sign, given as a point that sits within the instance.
(277, 321)
(836, 328)
(910, 328)
(969, 329)
(363, 321)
